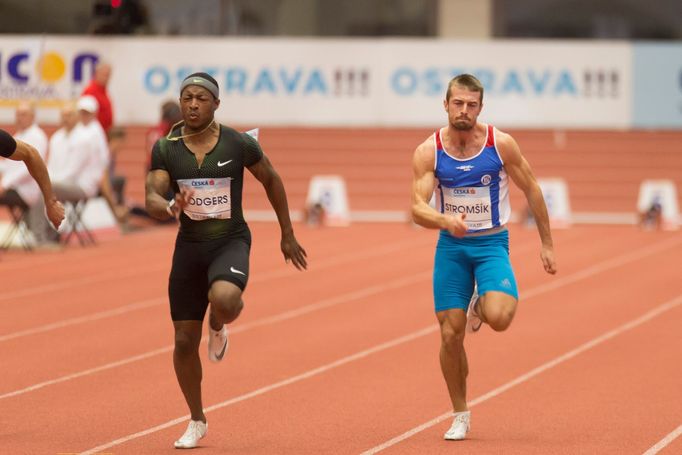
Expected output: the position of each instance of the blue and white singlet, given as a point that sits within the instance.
(477, 186)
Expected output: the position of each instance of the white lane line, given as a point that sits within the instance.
(612, 263)
(325, 303)
(94, 370)
(82, 319)
(280, 272)
(82, 281)
(269, 388)
(667, 306)
(324, 264)
(603, 266)
(663, 443)
(395, 342)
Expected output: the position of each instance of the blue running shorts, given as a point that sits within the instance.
(461, 262)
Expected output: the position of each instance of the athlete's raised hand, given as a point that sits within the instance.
(293, 252)
(181, 201)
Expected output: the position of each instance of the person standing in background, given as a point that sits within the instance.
(98, 89)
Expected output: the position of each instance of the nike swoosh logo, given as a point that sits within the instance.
(220, 355)
(220, 164)
(233, 270)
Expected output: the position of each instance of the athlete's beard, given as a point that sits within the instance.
(462, 125)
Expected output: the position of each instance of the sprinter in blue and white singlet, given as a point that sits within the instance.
(468, 165)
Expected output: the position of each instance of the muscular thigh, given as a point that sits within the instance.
(453, 277)
(187, 286)
(492, 266)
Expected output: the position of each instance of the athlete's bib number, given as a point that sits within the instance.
(474, 202)
(211, 198)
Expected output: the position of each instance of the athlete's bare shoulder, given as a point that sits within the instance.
(506, 146)
(502, 137)
(424, 156)
(428, 146)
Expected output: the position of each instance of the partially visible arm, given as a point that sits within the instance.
(36, 167)
(272, 182)
(521, 174)
(274, 188)
(157, 184)
(156, 187)
(423, 182)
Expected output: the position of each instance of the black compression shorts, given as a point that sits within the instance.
(196, 265)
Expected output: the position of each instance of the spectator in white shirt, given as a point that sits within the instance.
(60, 145)
(16, 150)
(15, 176)
(87, 108)
(28, 130)
(78, 157)
(74, 161)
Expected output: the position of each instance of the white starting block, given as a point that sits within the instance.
(330, 192)
(664, 193)
(555, 193)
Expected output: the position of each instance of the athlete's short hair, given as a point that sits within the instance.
(466, 81)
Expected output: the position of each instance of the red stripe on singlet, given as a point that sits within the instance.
(439, 144)
(491, 137)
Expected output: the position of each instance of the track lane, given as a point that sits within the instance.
(362, 328)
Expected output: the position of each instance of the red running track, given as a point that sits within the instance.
(343, 358)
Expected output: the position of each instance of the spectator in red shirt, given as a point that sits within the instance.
(98, 88)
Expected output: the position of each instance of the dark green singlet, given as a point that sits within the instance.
(238, 150)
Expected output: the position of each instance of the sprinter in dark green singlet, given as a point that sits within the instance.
(203, 163)
(202, 219)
